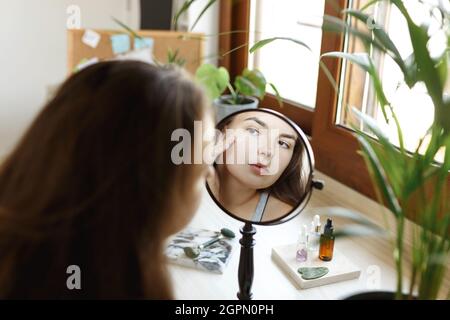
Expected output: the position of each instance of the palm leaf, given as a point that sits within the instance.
(392, 159)
(208, 5)
(184, 8)
(425, 65)
(364, 61)
(127, 28)
(258, 45)
(277, 94)
(336, 25)
(359, 231)
(348, 214)
(379, 176)
(382, 37)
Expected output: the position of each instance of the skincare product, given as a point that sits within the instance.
(313, 273)
(314, 236)
(327, 242)
(301, 254)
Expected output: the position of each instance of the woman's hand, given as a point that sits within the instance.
(222, 143)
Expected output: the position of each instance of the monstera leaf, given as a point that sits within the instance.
(215, 80)
(251, 83)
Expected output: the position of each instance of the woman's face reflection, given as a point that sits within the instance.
(260, 176)
(264, 145)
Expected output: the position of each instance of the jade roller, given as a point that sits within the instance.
(195, 252)
(224, 233)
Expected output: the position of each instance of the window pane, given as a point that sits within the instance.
(413, 107)
(293, 69)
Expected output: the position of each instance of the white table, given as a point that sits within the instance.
(373, 255)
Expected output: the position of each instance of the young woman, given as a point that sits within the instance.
(261, 177)
(92, 184)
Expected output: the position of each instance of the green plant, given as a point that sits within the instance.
(173, 57)
(250, 83)
(127, 28)
(408, 183)
(185, 7)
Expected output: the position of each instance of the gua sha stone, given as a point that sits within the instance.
(313, 273)
(191, 252)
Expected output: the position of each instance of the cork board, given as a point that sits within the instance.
(189, 45)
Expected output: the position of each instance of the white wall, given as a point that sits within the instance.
(33, 52)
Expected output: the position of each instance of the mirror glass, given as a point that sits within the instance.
(263, 173)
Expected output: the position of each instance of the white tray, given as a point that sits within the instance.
(340, 268)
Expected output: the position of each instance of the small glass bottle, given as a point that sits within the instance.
(301, 252)
(327, 242)
(314, 237)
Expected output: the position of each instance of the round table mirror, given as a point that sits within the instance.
(264, 175)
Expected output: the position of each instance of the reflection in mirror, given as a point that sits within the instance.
(265, 170)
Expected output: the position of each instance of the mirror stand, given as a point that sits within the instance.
(246, 265)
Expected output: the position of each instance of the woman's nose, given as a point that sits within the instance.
(266, 152)
(265, 147)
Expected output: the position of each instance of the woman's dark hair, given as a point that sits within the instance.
(89, 182)
(291, 185)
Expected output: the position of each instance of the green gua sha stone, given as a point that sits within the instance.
(228, 233)
(313, 273)
(191, 252)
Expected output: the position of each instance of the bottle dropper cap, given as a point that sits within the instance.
(329, 228)
(317, 223)
(304, 233)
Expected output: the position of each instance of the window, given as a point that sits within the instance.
(286, 63)
(413, 107)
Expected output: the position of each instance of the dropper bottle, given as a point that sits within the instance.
(327, 242)
(301, 253)
(314, 236)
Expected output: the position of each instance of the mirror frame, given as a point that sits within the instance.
(309, 186)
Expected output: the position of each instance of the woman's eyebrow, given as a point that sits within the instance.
(261, 123)
(289, 136)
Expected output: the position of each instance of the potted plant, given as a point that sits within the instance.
(407, 183)
(248, 88)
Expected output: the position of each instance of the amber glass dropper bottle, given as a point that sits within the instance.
(327, 242)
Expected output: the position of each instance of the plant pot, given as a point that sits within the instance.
(224, 109)
(375, 295)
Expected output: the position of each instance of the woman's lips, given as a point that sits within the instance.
(258, 169)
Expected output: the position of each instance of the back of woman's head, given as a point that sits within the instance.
(89, 182)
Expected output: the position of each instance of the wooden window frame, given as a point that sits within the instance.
(336, 147)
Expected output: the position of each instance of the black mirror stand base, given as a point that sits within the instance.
(246, 264)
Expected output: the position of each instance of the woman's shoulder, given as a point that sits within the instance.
(276, 208)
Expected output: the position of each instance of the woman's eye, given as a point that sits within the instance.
(284, 144)
(253, 131)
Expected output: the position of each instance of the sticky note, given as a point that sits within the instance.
(84, 63)
(143, 43)
(120, 43)
(91, 38)
(144, 55)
